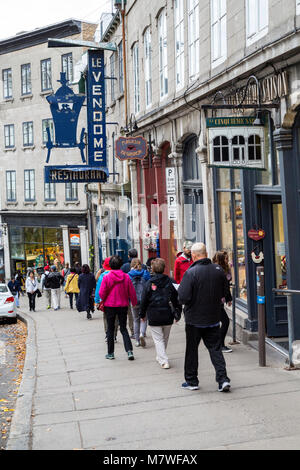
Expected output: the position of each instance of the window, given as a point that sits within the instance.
(148, 67)
(47, 123)
(50, 192)
(238, 148)
(194, 39)
(218, 32)
(136, 71)
(11, 191)
(179, 42)
(67, 66)
(29, 185)
(7, 83)
(221, 149)
(46, 75)
(112, 74)
(163, 54)
(297, 7)
(254, 148)
(9, 136)
(27, 134)
(26, 79)
(71, 191)
(257, 20)
(121, 70)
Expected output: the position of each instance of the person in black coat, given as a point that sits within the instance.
(160, 303)
(87, 286)
(201, 291)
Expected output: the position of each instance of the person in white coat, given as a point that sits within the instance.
(31, 288)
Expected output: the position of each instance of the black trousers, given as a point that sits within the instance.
(71, 294)
(225, 325)
(31, 298)
(111, 314)
(211, 338)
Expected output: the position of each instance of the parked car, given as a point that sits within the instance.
(8, 309)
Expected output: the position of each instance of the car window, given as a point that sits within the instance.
(3, 289)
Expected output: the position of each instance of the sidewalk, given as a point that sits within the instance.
(71, 397)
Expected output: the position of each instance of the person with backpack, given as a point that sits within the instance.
(106, 270)
(46, 285)
(139, 277)
(160, 304)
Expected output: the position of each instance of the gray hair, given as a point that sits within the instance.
(199, 249)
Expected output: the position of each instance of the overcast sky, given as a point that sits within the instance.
(21, 15)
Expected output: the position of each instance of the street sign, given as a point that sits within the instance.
(131, 148)
(172, 207)
(171, 180)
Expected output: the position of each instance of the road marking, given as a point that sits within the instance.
(2, 352)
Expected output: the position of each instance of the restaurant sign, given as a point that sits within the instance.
(131, 148)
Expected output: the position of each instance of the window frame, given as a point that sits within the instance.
(11, 186)
(45, 123)
(71, 188)
(26, 87)
(193, 38)
(121, 67)
(49, 192)
(7, 83)
(260, 30)
(163, 55)
(136, 78)
(112, 64)
(147, 66)
(47, 73)
(297, 7)
(69, 66)
(10, 136)
(179, 39)
(218, 20)
(28, 135)
(30, 187)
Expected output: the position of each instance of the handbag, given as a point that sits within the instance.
(101, 306)
(38, 293)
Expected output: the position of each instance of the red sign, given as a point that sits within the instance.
(131, 148)
(256, 234)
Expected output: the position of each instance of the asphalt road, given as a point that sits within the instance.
(9, 376)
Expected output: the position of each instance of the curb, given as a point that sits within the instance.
(20, 430)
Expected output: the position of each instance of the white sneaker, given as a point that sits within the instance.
(165, 366)
(137, 344)
(224, 387)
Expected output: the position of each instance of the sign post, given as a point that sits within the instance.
(261, 303)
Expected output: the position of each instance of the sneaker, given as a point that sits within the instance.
(137, 344)
(55, 309)
(224, 387)
(188, 386)
(130, 356)
(142, 341)
(110, 356)
(225, 349)
(165, 366)
(89, 316)
(49, 306)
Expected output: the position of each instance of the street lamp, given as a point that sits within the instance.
(131, 127)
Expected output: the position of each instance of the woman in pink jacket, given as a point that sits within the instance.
(116, 292)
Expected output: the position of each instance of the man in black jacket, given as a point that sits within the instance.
(55, 281)
(201, 290)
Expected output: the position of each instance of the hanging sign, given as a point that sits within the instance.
(131, 148)
(256, 234)
(65, 107)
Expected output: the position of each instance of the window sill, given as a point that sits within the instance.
(71, 203)
(12, 203)
(10, 149)
(26, 97)
(50, 203)
(8, 100)
(30, 203)
(46, 92)
(28, 147)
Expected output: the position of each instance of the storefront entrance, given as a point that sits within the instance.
(275, 266)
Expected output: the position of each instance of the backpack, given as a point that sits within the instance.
(47, 284)
(139, 283)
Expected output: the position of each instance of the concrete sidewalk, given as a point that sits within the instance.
(71, 397)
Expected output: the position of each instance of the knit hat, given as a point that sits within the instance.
(106, 264)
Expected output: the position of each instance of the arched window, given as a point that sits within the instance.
(191, 164)
(238, 148)
(254, 147)
(221, 149)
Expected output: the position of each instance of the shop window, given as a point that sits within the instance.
(254, 148)
(221, 149)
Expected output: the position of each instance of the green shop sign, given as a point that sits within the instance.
(230, 121)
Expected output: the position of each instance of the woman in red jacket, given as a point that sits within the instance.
(183, 262)
(116, 292)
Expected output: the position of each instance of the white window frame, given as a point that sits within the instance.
(29, 185)
(71, 191)
(163, 55)
(49, 192)
(179, 43)
(26, 88)
(11, 187)
(136, 77)
(148, 67)
(67, 66)
(9, 136)
(259, 28)
(27, 134)
(47, 123)
(218, 32)
(7, 83)
(194, 38)
(46, 75)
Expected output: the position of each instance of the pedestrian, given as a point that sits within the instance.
(86, 284)
(20, 278)
(77, 268)
(55, 282)
(116, 292)
(46, 285)
(71, 287)
(160, 304)
(138, 276)
(183, 261)
(15, 288)
(106, 269)
(65, 273)
(201, 291)
(221, 259)
(31, 289)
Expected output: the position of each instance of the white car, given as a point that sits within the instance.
(7, 304)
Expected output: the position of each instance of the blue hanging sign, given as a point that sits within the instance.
(65, 107)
